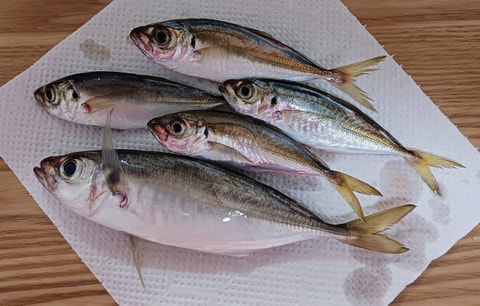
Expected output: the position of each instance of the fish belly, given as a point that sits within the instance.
(168, 216)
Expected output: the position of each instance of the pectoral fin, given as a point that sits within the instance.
(110, 100)
(99, 103)
(112, 169)
(219, 151)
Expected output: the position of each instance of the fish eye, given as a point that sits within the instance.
(50, 94)
(69, 167)
(178, 128)
(245, 91)
(162, 37)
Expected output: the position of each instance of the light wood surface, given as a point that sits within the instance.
(437, 42)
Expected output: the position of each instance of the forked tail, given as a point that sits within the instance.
(367, 235)
(346, 76)
(346, 185)
(420, 161)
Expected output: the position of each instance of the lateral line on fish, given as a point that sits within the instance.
(273, 61)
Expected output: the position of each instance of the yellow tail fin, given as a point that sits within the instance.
(346, 185)
(348, 75)
(420, 161)
(367, 235)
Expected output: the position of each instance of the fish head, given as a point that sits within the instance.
(71, 178)
(167, 43)
(61, 99)
(249, 96)
(182, 133)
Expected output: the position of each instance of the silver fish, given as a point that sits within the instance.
(323, 121)
(86, 98)
(193, 204)
(218, 51)
(246, 142)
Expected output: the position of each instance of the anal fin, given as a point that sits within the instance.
(134, 248)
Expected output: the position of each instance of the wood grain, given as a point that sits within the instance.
(435, 41)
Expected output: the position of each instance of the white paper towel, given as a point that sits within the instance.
(317, 272)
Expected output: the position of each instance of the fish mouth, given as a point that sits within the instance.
(157, 130)
(223, 89)
(47, 172)
(39, 94)
(43, 178)
(227, 91)
(141, 40)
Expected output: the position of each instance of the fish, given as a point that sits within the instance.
(86, 98)
(320, 120)
(218, 51)
(189, 203)
(246, 142)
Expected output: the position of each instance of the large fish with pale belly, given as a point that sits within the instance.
(218, 51)
(323, 121)
(194, 204)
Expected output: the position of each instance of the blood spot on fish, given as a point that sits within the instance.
(124, 202)
(87, 107)
(93, 51)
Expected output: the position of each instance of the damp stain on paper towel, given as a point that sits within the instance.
(415, 232)
(440, 211)
(397, 178)
(94, 51)
(367, 286)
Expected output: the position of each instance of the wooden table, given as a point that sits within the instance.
(437, 42)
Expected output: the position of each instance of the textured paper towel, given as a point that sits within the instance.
(321, 271)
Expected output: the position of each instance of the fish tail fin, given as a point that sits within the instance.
(367, 235)
(346, 76)
(420, 161)
(346, 185)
